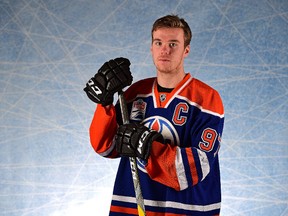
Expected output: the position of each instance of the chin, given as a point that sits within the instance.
(163, 68)
(164, 71)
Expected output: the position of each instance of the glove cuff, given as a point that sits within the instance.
(153, 136)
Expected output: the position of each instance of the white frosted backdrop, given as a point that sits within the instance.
(50, 48)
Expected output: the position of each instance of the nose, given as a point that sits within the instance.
(165, 49)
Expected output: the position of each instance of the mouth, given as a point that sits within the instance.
(163, 59)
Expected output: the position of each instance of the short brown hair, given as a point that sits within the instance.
(173, 21)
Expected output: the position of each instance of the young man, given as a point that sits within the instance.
(175, 128)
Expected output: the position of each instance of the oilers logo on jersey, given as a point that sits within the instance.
(164, 127)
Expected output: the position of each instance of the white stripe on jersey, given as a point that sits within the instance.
(204, 162)
(177, 92)
(180, 170)
(200, 107)
(170, 204)
(109, 150)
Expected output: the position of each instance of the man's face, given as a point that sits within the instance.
(168, 50)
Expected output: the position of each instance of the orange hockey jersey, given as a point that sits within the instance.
(181, 176)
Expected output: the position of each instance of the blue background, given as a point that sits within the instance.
(50, 48)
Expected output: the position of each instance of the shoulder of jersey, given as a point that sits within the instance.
(202, 95)
(143, 87)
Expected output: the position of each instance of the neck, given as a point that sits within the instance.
(168, 80)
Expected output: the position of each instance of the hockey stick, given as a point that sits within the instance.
(133, 162)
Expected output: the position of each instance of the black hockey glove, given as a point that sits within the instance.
(113, 76)
(135, 140)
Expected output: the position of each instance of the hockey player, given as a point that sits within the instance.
(175, 129)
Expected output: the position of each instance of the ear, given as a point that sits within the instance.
(187, 50)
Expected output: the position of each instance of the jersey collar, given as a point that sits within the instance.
(169, 96)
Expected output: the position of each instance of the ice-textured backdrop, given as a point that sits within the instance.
(50, 48)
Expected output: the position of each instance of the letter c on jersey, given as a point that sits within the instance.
(178, 118)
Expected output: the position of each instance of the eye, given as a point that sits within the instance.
(158, 43)
(172, 45)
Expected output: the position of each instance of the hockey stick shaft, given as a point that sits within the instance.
(133, 162)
